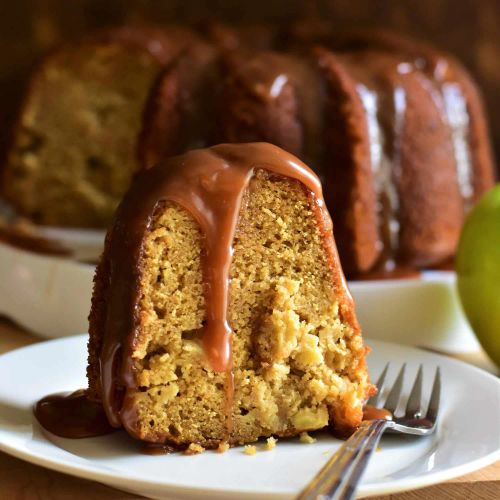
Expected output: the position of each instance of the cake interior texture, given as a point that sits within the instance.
(298, 357)
(89, 152)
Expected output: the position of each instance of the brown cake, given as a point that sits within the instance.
(177, 114)
(220, 313)
(73, 151)
(394, 128)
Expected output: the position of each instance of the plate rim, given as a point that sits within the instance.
(133, 483)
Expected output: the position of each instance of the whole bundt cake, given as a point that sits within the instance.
(394, 128)
(220, 312)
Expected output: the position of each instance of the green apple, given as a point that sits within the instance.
(478, 271)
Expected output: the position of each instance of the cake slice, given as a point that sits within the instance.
(220, 313)
(72, 154)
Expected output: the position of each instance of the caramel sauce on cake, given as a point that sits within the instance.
(72, 416)
(373, 413)
(267, 75)
(209, 184)
(384, 81)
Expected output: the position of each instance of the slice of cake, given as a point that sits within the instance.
(73, 150)
(220, 312)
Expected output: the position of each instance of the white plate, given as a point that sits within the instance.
(467, 439)
(51, 297)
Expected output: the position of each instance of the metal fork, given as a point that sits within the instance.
(339, 478)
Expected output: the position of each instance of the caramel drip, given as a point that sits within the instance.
(72, 416)
(399, 272)
(24, 240)
(209, 184)
(267, 74)
(378, 81)
(384, 103)
(450, 100)
(372, 413)
(457, 116)
(157, 449)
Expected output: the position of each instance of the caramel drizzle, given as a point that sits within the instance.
(72, 416)
(384, 102)
(450, 100)
(385, 165)
(455, 107)
(268, 73)
(209, 184)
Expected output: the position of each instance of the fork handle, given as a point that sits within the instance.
(338, 479)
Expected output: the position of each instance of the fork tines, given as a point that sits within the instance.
(414, 403)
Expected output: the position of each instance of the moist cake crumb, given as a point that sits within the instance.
(271, 443)
(223, 447)
(306, 438)
(194, 449)
(249, 449)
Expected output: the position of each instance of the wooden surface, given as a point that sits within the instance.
(22, 481)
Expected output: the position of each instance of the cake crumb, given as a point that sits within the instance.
(305, 438)
(271, 443)
(249, 449)
(223, 447)
(194, 449)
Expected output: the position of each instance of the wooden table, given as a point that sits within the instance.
(23, 481)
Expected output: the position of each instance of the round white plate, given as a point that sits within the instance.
(467, 439)
(51, 297)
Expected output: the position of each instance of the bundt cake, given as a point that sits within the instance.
(180, 105)
(395, 129)
(73, 150)
(220, 313)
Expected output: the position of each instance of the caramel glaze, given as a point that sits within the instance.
(447, 265)
(379, 77)
(72, 415)
(369, 413)
(373, 413)
(209, 184)
(157, 449)
(267, 74)
(374, 76)
(175, 115)
(384, 273)
(163, 43)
